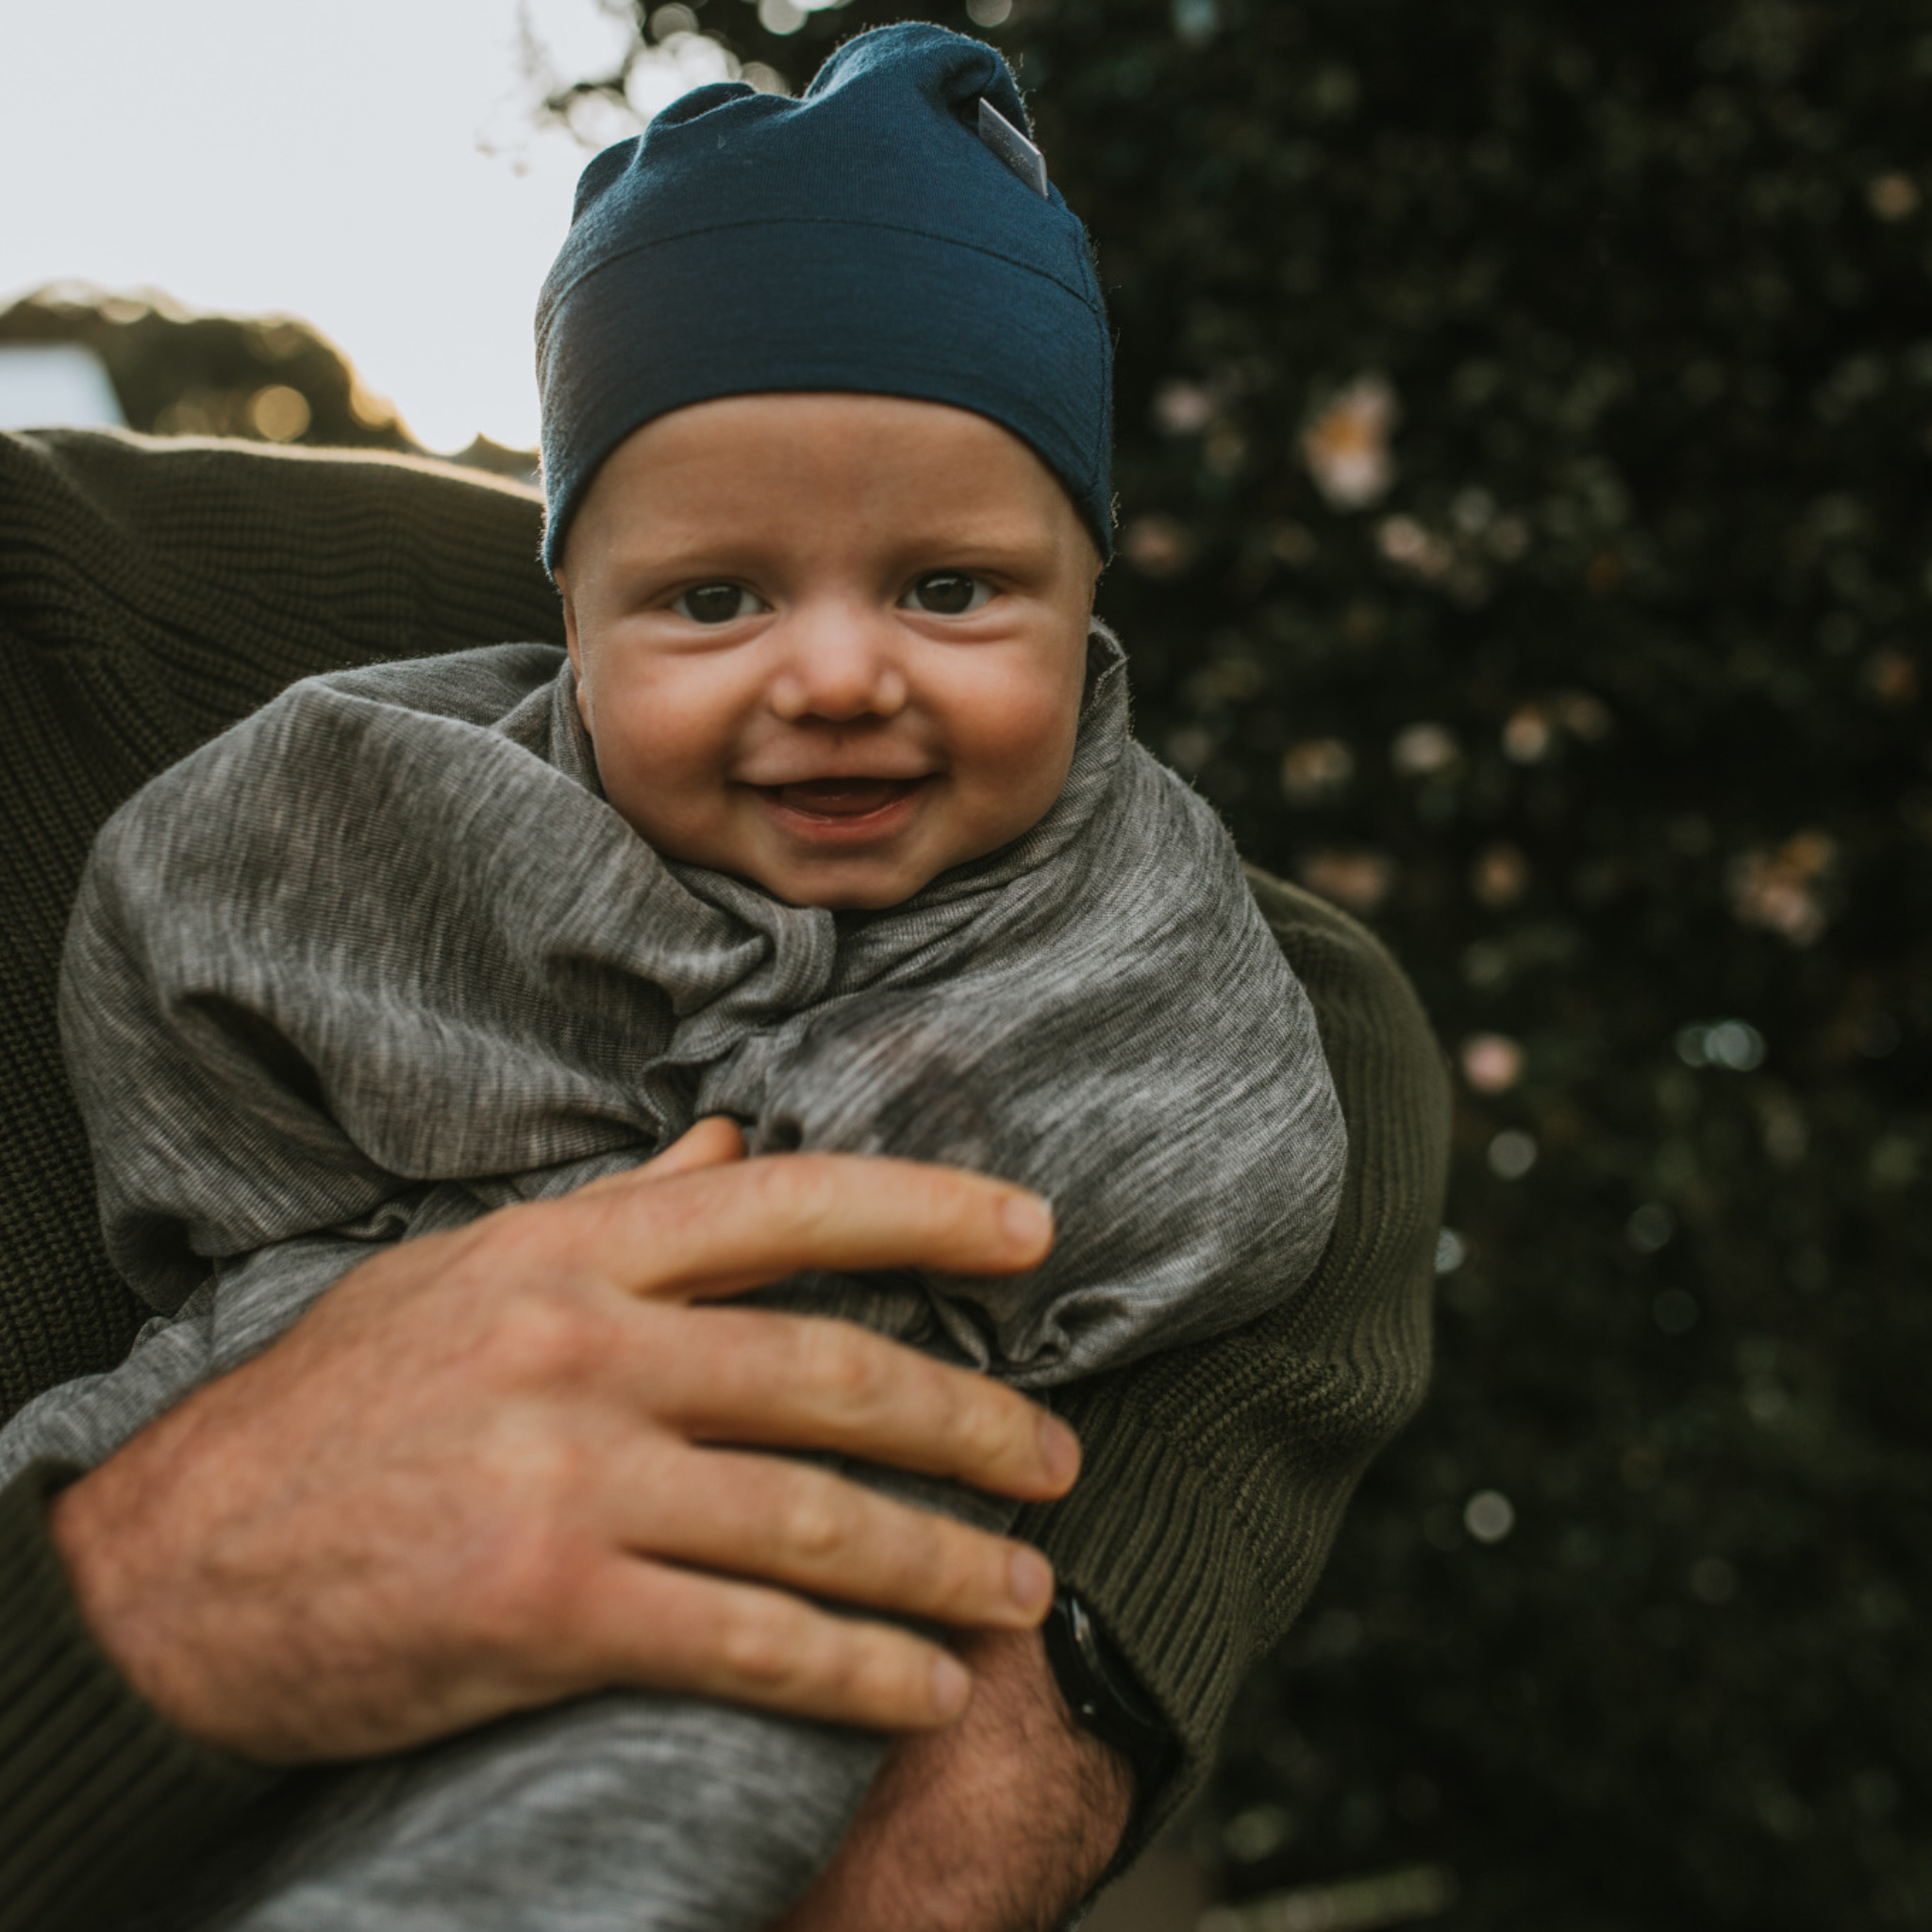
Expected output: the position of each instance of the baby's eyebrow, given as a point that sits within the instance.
(695, 563)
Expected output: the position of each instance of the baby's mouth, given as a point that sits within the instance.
(842, 798)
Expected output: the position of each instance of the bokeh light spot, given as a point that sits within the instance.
(1196, 22)
(1257, 1833)
(1315, 768)
(1893, 197)
(1420, 751)
(1512, 1153)
(1345, 444)
(1735, 1045)
(1157, 546)
(1359, 880)
(1492, 1062)
(1488, 1516)
(1500, 876)
(1527, 738)
(278, 412)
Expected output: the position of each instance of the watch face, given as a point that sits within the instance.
(1100, 1692)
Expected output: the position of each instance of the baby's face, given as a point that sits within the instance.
(833, 643)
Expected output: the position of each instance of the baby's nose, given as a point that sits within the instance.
(837, 670)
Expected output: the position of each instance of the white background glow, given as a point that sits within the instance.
(369, 166)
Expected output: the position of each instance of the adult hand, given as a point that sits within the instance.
(511, 1464)
(1001, 1823)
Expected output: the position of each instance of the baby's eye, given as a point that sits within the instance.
(947, 593)
(717, 603)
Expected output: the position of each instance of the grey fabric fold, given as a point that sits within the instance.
(382, 958)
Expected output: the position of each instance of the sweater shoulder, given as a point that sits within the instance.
(1359, 989)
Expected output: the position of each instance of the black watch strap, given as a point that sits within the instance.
(1101, 1691)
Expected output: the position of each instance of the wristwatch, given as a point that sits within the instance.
(1101, 1690)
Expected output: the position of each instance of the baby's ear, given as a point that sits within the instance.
(573, 646)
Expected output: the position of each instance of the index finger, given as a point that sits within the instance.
(722, 1230)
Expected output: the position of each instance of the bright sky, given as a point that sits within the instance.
(330, 162)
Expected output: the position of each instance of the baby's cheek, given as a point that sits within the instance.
(1033, 746)
(646, 780)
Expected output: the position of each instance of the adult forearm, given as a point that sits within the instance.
(1001, 1823)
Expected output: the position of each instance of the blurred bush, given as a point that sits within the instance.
(266, 379)
(271, 381)
(1525, 473)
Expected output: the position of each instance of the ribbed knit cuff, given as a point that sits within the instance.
(1148, 1542)
(100, 1797)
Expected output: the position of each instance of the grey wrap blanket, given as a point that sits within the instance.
(385, 945)
(381, 958)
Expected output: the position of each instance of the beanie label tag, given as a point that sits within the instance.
(1012, 148)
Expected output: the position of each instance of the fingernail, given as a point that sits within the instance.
(1059, 1449)
(1030, 1577)
(952, 1684)
(1028, 1220)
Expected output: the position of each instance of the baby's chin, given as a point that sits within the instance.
(851, 882)
(842, 887)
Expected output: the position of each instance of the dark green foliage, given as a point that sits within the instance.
(1652, 284)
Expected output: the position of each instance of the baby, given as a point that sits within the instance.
(829, 821)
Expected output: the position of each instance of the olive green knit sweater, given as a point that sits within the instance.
(150, 593)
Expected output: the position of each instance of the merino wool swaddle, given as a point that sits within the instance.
(382, 958)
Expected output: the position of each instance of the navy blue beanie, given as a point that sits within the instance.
(864, 237)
